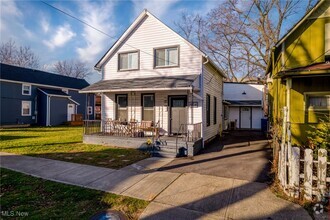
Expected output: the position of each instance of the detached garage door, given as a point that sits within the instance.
(250, 117)
(257, 114)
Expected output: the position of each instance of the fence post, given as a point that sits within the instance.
(321, 173)
(308, 174)
(285, 166)
(279, 165)
(295, 166)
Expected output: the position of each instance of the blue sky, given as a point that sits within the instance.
(54, 36)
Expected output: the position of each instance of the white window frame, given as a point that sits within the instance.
(65, 91)
(128, 61)
(23, 85)
(30, 106)
(168, 64)
(89, 110)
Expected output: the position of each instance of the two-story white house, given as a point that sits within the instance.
(151, 73)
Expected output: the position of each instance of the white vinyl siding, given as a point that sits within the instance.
(213, 87)
(152, 34)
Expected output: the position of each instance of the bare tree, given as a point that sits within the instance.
(18, 56)
(73, 68)
(191, 27)
(240, 38)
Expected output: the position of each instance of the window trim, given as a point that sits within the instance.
(215, 106)
(128, 52)
(30, 88)
(117, 108)
(208, 110)
(142, 95)
(166, 47)
(311, 94)
(30, 109)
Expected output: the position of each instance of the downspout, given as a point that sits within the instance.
(48, 111)
(47, 107)
(203, 103)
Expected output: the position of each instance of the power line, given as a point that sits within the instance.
(85, 23)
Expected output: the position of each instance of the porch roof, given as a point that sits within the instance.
(143, 84)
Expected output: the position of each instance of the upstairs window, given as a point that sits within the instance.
(26, 89)
(167, 57)
(128, 61)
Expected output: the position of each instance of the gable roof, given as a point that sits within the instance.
(20, 74)
(145, 13)
(302, 20)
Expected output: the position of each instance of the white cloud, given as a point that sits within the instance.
(63, 35)
(9, 15)
(158, 8)
(98, 15)
(44, 24)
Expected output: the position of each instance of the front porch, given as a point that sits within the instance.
(140, 135)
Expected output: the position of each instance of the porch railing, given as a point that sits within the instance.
(190, 132)
(120, 128)
(92, 127)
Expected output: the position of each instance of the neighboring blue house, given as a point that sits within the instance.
(31, 96)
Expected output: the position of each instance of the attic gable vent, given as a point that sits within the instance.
(327, 42)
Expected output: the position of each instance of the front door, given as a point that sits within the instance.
(178, 113)
(245, 113)
(71, 110)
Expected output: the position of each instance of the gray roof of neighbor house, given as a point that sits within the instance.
(244, 102)
(169, 82)
(15, 73)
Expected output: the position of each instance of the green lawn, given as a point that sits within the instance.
(65, 143)
(43, 199)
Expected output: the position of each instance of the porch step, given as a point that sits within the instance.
(157, 153)
(166, 151)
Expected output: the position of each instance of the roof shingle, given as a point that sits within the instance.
(15, 73)
(142, 83)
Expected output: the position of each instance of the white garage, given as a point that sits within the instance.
(243, 105)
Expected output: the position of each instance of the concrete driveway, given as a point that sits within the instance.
(243, 155)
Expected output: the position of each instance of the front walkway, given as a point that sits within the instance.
(173, 195)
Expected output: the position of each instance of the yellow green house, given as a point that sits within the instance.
(298, 74)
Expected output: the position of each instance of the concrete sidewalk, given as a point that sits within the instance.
(173, 195)
(137, 181)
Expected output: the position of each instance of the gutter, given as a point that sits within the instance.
(136, 89)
